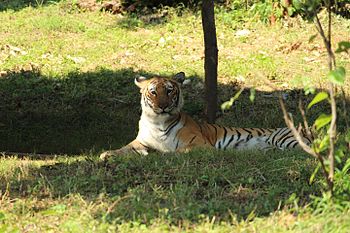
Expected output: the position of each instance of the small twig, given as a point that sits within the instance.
(306, 125)
(331, 57)
(332, 135)
(111, 207)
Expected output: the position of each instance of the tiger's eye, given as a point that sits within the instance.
(169, 91)
(153, 92)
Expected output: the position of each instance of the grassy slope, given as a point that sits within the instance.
(72, 91)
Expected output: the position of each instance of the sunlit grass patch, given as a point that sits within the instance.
(203, 190)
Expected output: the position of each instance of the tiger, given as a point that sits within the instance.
(165, 128)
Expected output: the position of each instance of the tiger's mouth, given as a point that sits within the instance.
(164, 111)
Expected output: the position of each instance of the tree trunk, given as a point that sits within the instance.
(211, 59)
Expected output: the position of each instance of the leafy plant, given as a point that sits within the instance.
(324, 148)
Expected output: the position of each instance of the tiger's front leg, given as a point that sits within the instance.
(133, 147)
(192, 142)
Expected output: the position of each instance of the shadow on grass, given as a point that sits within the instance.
(98, 110)
(20, 4)
(70, 114)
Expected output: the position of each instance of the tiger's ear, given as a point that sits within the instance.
(140, 81)
(179, 77)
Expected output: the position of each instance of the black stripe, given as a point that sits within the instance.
(172, 125)
(296, 143)
(245, 129)
(237, 143)
(145, 101)
(200, 127)
(259, 132)
(229, 141)
(178, 97)
(287, 146)
(219, 145)
(277, 133)
(225, 135)
(238, 134)
(308, 139)
(249, 137)
(282, 138)
(144, 145)
(282, 130)
(285, 139)
(263, 131)
(192, 139)
(177, 144)
(134, 150)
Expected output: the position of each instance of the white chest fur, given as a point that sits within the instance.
(154, 133)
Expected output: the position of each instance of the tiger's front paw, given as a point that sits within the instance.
(107, 154)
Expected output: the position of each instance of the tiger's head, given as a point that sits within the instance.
(160, 95)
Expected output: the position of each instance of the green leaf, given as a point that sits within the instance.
(309, 90)
(297, 4)
(54, 210)
(339, 154)
(4, 228)
(228, 104)
(251, 215)
(312, 177)
(346, 168)
(347, 136)
(343, 46)
(337, 76)
(318, 98)
(2, 216)
(252, 94)
(324, 144)
(312, 38)
(322, 121)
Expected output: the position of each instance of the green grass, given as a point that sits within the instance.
(202, 190)
(66, 87)
(174, 189)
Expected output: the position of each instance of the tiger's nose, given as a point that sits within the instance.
(163, 105)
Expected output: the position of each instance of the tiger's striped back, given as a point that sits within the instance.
(250, 138)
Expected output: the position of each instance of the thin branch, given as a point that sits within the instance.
(303, 145)
(332, 127)
(331, 57)
(290, 125)
(331, 64)
(332, 134)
